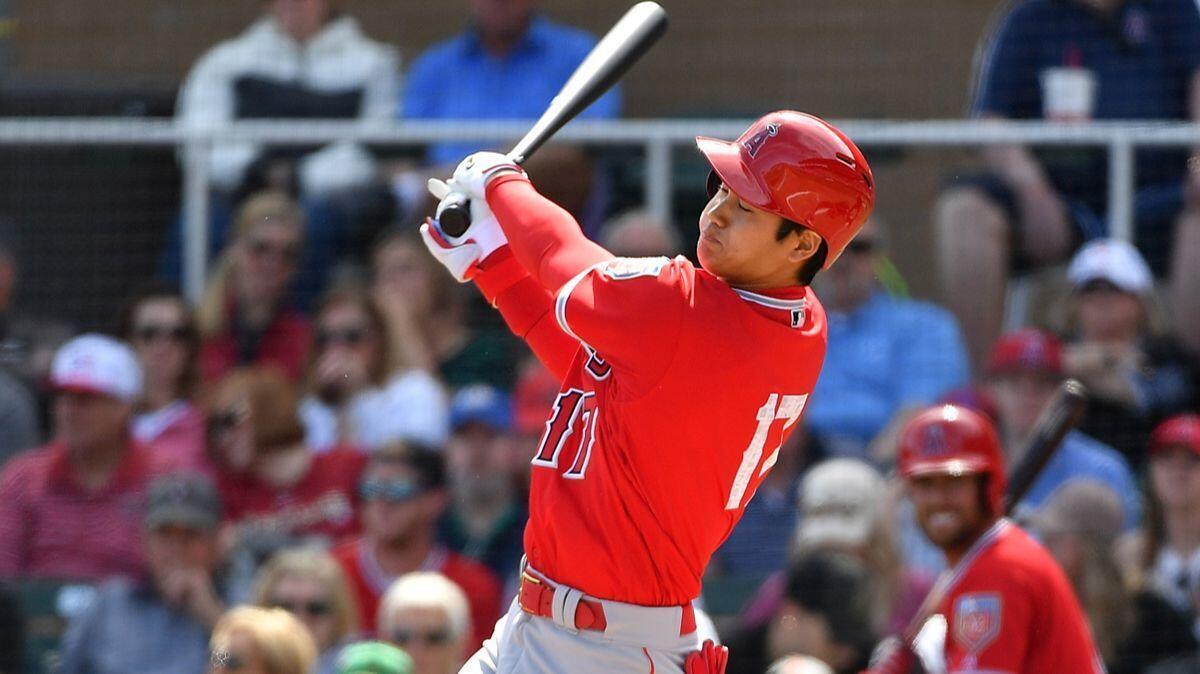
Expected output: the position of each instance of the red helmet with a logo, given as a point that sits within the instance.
(802, 169)
(953, 440)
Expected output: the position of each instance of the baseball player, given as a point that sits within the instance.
(1004, 607)
(679, 384)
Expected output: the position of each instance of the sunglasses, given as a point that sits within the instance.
(224, 420)
(860, 247)
(152, 333)
(347, 336)
(225, 660)
(286, 253)
(392, 491)
(315, 607)
(403, 638)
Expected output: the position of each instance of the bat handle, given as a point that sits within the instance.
(454, 214)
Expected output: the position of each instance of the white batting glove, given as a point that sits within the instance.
(484, 230)
(472, 175)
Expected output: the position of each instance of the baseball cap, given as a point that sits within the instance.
(1112, 260)
(839, 499)
(483, 404)
(1082, 507)
(1179, 431)
(373, 657)
(94, 363)
(189, 499)
(1026, 350)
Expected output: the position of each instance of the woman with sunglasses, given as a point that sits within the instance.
(1136, 373)
(427, 616)
(160, 327)
(367, 387)
(243, 315)
(310, 585)
(252, 640)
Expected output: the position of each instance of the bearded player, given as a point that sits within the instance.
(679, 384)
(1005, 606)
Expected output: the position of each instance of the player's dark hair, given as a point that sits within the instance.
(808, 271)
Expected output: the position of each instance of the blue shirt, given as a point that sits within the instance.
(759, 544)
(459, 79)
(1143, 59)
(887, 354)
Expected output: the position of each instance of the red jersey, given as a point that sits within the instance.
(369, 583)
(1011, 610)
(323, 502)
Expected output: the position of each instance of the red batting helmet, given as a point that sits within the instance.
(953, 440)
(802, 169)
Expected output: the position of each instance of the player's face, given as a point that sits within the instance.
(948, 509)
(740, 244)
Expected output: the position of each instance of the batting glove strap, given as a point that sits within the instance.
(473, 174)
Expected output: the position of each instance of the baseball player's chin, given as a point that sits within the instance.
(706, 254)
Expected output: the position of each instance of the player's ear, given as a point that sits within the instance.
(804, 246)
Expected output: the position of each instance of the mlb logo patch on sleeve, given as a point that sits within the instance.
(624, 268)
(977, 620)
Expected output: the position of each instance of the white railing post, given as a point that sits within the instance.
(1121, 186)
(194, 239)
(658, 177)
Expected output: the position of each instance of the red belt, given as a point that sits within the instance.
(536, 596)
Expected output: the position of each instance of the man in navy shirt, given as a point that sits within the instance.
(508, 64)
(1032, 207)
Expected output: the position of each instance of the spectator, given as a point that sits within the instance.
(252, 640)
(373, 657)
(18, 417)
(640, 234)
(825, 614)
(162, 331)
(301, 59)
(799, 664)
(1079, 526)
(70, 510)
(1134, 376)
(426, 614)
(310, 585)
(1023, 372)
(1168, 549)
(407, 282)
(161, 622)
(843, 508)
(486, 521)
(365, 388)
(404, 494)
(242, 316)
(27, 342)
(12, 632)
(758, 547)
(1032, 207)
(887, 356)
(507, 65)
(277, 491)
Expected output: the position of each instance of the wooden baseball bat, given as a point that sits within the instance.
(626, 42)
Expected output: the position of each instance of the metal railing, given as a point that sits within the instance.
(658, 138)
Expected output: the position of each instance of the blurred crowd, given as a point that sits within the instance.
(322, 466)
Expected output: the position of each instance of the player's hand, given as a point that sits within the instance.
(710, 659)
(472, 175)
(484, 229)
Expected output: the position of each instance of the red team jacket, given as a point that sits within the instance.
(677, 393)
(1011, 610)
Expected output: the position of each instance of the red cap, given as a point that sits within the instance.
(1178, 431)
(802, 169)
(1026, 350)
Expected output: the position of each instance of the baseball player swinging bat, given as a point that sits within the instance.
(1064, 411)
(613, 55)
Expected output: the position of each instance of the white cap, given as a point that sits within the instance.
(839, 501)
(1112, 260)
(95, 363)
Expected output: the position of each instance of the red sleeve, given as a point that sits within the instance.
(527, 308)
(545, 239)
(629, 311)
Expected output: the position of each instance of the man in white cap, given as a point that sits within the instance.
(72, 509)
